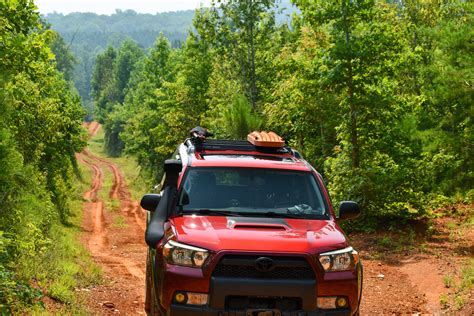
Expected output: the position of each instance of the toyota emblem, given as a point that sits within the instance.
(264, 264)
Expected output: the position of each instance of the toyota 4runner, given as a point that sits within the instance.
(247, 228)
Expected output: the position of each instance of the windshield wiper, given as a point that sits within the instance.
(273, 214)
(206, 211)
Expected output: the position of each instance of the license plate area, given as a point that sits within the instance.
(263, 312)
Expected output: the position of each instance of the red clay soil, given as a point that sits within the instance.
(403, 277)
(115, 240)
(398, 279)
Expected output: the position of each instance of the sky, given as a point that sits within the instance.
(109, 6)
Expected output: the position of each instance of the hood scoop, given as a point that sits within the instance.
(267, 224)
(260, 227)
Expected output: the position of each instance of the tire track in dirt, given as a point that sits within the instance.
(119, 191)
(115, 240)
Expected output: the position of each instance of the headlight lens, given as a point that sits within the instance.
(184, 255)
(339, 260)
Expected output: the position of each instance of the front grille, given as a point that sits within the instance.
(274, 303)
(240, 266)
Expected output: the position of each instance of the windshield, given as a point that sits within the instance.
(251, 192)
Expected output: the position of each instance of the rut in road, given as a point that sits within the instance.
(114, 238)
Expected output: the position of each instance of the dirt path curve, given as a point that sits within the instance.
(114, 236)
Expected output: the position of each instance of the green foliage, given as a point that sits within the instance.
(65, 61)
(299, 106)
(111, 76)
(40, 131)
(377, 95)
(89, 34)
(239, 27)
(239, 119)
(103, 91)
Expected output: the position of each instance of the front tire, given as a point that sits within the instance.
(151, 303)
(154, 309)
(148, 286)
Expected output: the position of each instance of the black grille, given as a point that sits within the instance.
(277, 303)
(236, 266)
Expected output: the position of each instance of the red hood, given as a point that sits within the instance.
(218, 233)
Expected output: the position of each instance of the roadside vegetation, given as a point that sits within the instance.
(378, 95)
(41, 259)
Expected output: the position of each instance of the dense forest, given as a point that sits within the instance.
(40, 132)
(377, 95)
(88, 34)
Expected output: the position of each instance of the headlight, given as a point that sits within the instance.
(339, 260)
(184, 255)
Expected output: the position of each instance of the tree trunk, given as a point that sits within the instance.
(350, 93)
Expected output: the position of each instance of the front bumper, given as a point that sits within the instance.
(175, 279)
(184, 310)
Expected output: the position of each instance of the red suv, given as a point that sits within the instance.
(247, 228)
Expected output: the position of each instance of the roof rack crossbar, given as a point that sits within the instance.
(237, 145)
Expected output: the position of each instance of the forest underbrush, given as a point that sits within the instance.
(434, 256)
(66, 268)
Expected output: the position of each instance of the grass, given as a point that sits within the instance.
(66, 265)
(113, 205)
(129, 167)
(119, 222)
(448, 281)
(96, 146)
(461, 289)
(398, 241)
(444, 300)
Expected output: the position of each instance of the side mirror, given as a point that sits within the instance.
(150, 201)
(348, 210)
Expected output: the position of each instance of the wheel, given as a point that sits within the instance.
(152, 303)
(152, 307)
(148, 287)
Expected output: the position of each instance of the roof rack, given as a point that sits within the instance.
(257, 141)
(237, 145)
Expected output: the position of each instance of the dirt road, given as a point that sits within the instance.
(400, 277)
(114, 236)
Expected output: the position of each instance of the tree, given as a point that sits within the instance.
(237, 29)
(445, 119)
(128, 55)
(40, 132)
(300, 105)
(143, 105)
(375, 154)
(103, 90)
(239, 119)
(65, 61)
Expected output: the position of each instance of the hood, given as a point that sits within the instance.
(248, 234)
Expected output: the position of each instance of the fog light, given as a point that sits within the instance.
(341, 302)
(327, 302)
(191, 298)
(180, 297)
(197, 298)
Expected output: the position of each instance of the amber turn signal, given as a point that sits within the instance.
(180, 297)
